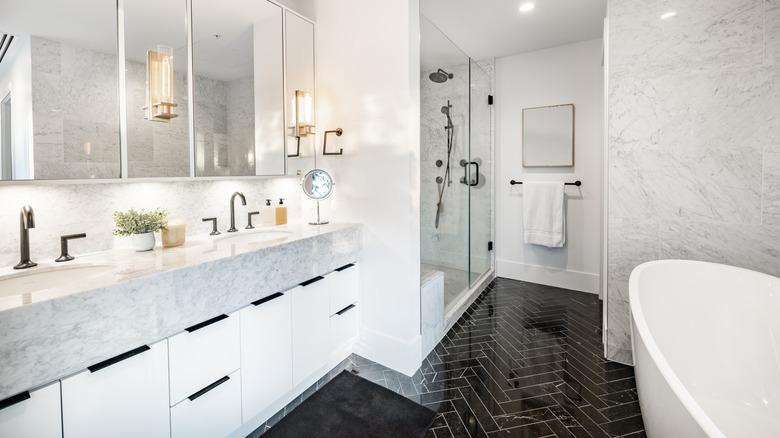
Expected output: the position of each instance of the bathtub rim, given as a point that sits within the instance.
(639, 325)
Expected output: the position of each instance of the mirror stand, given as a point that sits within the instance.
(318, 221)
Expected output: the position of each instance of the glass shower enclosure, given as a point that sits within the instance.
(456, 166)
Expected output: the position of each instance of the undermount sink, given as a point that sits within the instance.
(250, 237)
(46, 277)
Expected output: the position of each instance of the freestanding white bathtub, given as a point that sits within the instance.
(707, 349)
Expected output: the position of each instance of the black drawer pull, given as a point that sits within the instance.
(206, 323)
(267, 299)
(14, 399)
(116, 359)
(345, 310)
(313, 280)
(345, 267)
(208, 388)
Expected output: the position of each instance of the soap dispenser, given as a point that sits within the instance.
(281, 213)
(268, 215)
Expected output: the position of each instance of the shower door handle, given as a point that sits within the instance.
(465, 179)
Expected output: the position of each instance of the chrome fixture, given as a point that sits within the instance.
(249, 219)
(214, 231)
(26, 221)
(64, 256)
(233, 228)
(440, 76)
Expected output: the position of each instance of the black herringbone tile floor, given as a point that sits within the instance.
(525, 360)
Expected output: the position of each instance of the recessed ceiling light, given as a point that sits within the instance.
(668, 15)
(525, 7)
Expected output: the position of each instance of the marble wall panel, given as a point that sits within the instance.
(704, 34)
(694, 108)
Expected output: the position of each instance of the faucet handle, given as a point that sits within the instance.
(64, 256)
(214, 231)
(249, 219)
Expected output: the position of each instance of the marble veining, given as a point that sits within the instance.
(156, 294)
(694, 114)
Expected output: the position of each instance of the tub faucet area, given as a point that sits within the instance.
(233, 228)
(26, 221)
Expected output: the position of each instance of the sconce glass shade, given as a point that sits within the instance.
(302, 114)
(159, 84)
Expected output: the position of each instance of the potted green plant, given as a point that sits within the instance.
(141, 225)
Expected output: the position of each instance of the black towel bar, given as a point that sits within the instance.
(575, 183)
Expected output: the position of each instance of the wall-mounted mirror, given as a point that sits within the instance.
(239, 88)
(548, 136)
(156, 88)
(299, 91)
(59, 90)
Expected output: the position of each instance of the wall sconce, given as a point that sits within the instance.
(159, 84)
(303, 117)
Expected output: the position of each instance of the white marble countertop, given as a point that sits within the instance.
(128, 264)
(52, 333)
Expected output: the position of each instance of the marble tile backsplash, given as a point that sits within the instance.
(67, 208)
(694, 129)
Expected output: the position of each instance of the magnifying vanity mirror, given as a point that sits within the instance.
(148, 89)
(317, 185)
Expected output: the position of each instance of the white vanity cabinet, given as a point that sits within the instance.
(33, 414)
(266, 352)
(344, 319)
(310, 327)
(125, 396)
(203, 354)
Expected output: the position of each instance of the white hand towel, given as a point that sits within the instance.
(544, 220)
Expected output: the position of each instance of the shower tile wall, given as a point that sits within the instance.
(694, 141)
(446, 245)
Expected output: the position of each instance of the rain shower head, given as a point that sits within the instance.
(440, 76)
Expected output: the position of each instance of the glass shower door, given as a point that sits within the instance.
(444, 136)
(480, 172)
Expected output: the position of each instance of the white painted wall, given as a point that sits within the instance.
(560, 75)
(15, 78)
(368, 85)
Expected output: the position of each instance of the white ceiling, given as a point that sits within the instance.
(494, 28)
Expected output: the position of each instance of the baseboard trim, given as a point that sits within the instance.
(574, 280)
(402, 356)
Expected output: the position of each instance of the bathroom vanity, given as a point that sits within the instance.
(207, 339)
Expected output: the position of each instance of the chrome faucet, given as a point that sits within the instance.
(233, 228)
(26, 221)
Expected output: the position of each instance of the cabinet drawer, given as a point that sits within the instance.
(343, 287)
(212, 411)
(344, 328)
(126, 396)
(34, 414)
(266, 353)
(203, 354)
(309, 328)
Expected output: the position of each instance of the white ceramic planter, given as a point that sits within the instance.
(143, 242)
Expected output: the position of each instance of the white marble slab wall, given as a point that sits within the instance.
(88, 208)
(694, 140)
(446, 245)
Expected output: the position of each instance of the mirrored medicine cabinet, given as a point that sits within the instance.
(96, 89)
